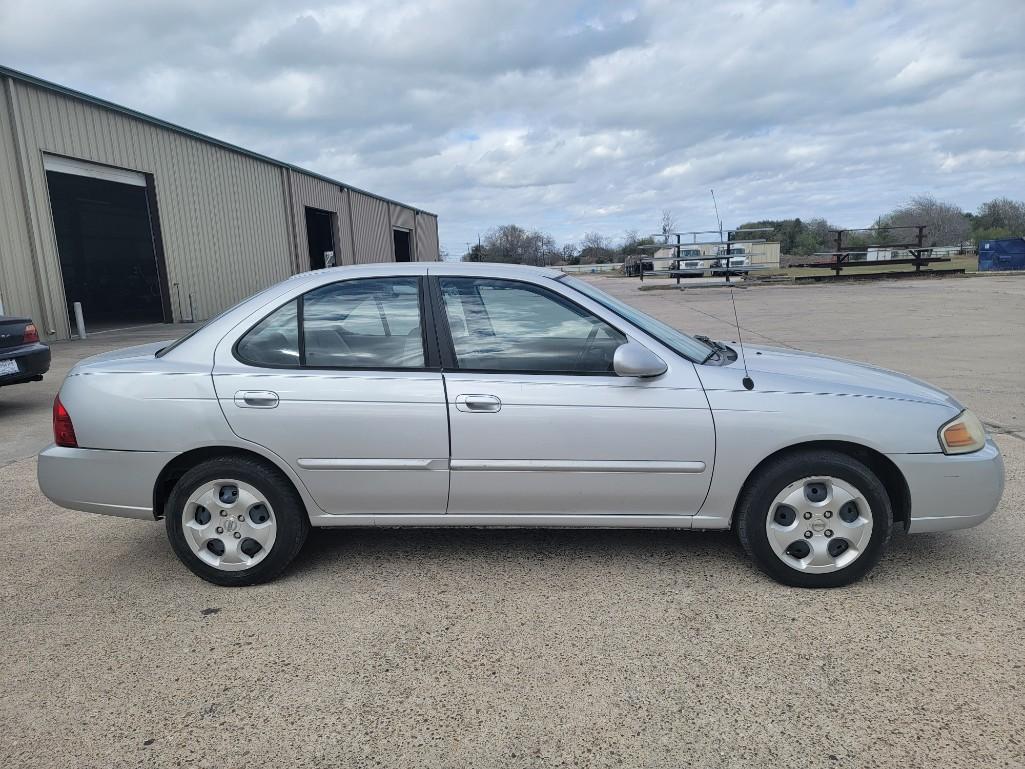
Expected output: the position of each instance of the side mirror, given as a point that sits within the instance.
(633, 359)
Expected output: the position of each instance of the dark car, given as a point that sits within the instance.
(23, 358)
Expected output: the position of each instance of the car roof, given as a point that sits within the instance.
(489, 268)
(483, 269)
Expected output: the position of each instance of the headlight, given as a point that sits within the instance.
(963, 434)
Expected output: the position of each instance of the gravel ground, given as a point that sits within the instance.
(540, 648)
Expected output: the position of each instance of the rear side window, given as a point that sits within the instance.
(502, 325)
(366, 324)
(274, 341)
(372, 323)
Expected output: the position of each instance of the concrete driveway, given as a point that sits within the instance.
(539, 648)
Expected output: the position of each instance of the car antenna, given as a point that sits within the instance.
(747, 381)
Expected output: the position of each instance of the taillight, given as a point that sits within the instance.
(63, 430)
(31, 334)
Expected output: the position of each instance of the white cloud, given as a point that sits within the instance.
(575, 116)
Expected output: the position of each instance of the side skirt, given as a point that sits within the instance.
(520, 521)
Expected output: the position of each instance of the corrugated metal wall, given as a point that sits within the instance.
(402, 217)
(18, 288)
(369, 224)
(310, 191)
(371, 229)
(231, 223)
(222, 214)
(427, 248)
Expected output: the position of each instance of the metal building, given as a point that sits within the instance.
(144, 221)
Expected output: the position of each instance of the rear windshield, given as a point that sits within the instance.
(181, 340)
(166, 349)
(270, 290)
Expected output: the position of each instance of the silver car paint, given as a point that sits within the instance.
(801, 397)
(620, 431)
(673, 451)
(97, 481)
(338, 430)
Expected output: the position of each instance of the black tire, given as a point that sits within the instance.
(293, 523)
(753, 510)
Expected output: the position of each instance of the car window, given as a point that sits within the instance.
(365, 317)
(372, 323)
(274, 341)
(502, 325)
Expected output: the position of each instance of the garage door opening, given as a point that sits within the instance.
(403, 246)
(105, 241)
(320, 237)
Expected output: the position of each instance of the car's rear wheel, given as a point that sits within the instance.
(235, 521)
(815, 519)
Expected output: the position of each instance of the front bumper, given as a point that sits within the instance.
(952, 492)
(98, 481)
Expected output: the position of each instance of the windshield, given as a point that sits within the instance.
(685, 345)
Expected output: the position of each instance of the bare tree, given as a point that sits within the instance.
(945, 223)
(507, 243)
(668, 223)
(568, 254)
(540, 249)
(512, 244)
(595, 248)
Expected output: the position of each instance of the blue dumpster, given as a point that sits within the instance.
(1006, 254)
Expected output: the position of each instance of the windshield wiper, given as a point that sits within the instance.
(717, 348)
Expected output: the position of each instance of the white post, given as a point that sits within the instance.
(79, 320)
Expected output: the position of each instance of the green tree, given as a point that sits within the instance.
(477, 253)
(999, 218)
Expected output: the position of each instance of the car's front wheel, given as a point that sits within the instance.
(815, 519)
(235, 521)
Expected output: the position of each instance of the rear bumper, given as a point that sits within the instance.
(97, 481)
(33, 361)
(952, 492)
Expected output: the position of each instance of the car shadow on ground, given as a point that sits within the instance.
(446, 544)
(705, 557)
(700, 554)
(15, 402)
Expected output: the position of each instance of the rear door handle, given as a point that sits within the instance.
(478, 403)
(256, 399)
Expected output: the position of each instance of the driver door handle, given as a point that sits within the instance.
(478, 403)
(256, 399)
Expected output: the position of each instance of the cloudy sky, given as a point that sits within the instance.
(575, 116)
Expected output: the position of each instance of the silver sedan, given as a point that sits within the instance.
(490, 395)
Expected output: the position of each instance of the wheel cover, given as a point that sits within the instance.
(819, 524)
(229, 525)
